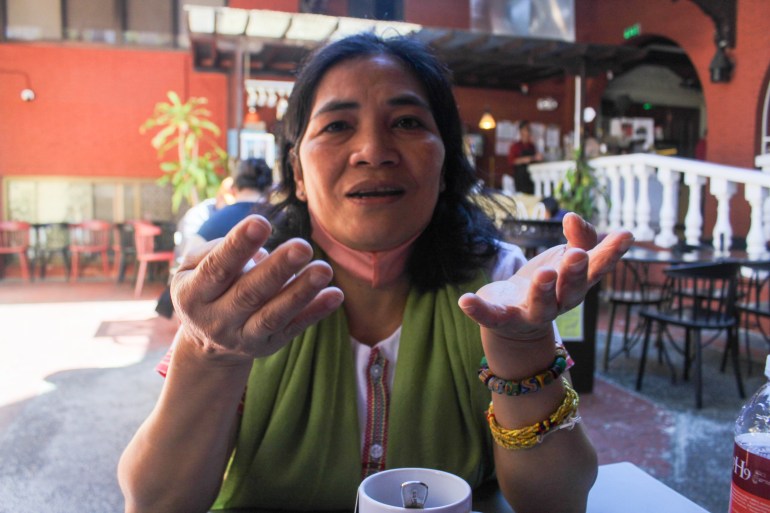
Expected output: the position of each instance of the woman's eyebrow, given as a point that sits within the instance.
(336, 105)
(408, 99)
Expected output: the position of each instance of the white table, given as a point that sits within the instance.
(619, 487)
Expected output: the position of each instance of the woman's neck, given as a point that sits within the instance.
(250, 196)
(373, 313)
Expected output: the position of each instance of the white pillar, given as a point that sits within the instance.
(723, 232)
(693, 221)
(578, 112)
(643, 231)
(670, 180)
(616, 199)
(601, 201)
(756, 241)
(629, 197)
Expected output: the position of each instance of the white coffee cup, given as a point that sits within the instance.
(381, 492)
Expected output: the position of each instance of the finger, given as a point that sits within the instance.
(257, 258)
(193, 257)
(572, 283)
(542, 304)
(273, 273)
(486, 313)
(224, 263)
(291, 305)
(327, 301)
(606, 254)
(578, 232)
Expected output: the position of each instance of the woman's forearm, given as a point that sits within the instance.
(556, 474)
(177, 458)
(553, 476)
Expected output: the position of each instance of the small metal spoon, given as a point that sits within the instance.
(414, 494)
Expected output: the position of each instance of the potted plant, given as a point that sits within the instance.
(185, 128)
(579, 191)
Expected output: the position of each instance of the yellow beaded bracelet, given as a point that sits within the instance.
(565, 417)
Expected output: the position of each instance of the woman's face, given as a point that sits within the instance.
(370, 159)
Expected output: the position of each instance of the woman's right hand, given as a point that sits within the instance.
(235, 315)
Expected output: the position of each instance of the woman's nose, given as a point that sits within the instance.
(375, 147)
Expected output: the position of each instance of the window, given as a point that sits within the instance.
(33, 19)
(94, 21)
(149, 22)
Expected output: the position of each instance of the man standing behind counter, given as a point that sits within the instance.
(520, 155)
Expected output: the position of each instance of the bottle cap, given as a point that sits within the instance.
(767, 367)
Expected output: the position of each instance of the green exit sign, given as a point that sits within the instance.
(632, 31)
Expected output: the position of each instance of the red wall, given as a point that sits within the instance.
(89, 106)
(438, 13)
(733, 108)
(91, 100)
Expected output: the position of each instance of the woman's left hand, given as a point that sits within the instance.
(522, 308)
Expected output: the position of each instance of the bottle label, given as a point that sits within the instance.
(750, 490)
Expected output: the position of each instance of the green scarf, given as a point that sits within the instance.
(299, 441)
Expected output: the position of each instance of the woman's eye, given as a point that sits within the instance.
(408, 123)
(336, 126)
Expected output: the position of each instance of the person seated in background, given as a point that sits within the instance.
(521, 154)
(552, 209)
(198, 214)
(350, 339)
(247, 193)
(251, 195)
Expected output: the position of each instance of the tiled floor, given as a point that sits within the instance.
(93, 332)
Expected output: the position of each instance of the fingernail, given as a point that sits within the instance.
(547, 286)
(626, 243)
(253, 230)
(296, 256)
(579, 266)
(317, 279)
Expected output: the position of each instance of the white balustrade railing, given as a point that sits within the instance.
(643, 191)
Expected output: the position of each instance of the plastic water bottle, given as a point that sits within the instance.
(750, 490)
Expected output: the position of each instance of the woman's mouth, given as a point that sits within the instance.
(383, 192)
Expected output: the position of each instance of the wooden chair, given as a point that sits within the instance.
(144, 241)
(89, 238)
(14, 240)
(696, 297)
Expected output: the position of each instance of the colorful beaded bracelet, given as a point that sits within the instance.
(526, 385)
(565, 417)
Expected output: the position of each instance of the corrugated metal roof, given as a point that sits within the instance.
(273, 43)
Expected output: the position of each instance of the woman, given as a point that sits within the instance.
(376, 181)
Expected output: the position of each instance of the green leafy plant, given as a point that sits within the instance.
(185, 128)
(579, 191)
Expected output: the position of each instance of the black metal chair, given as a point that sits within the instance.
(629, 287)
(753, 303)
(696, 297)
(123, 248)
(51, 239)
(533, 235)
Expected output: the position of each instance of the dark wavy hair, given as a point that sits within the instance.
(460, 238)
(253, 173)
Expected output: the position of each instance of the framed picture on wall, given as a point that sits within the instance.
(258, 145)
